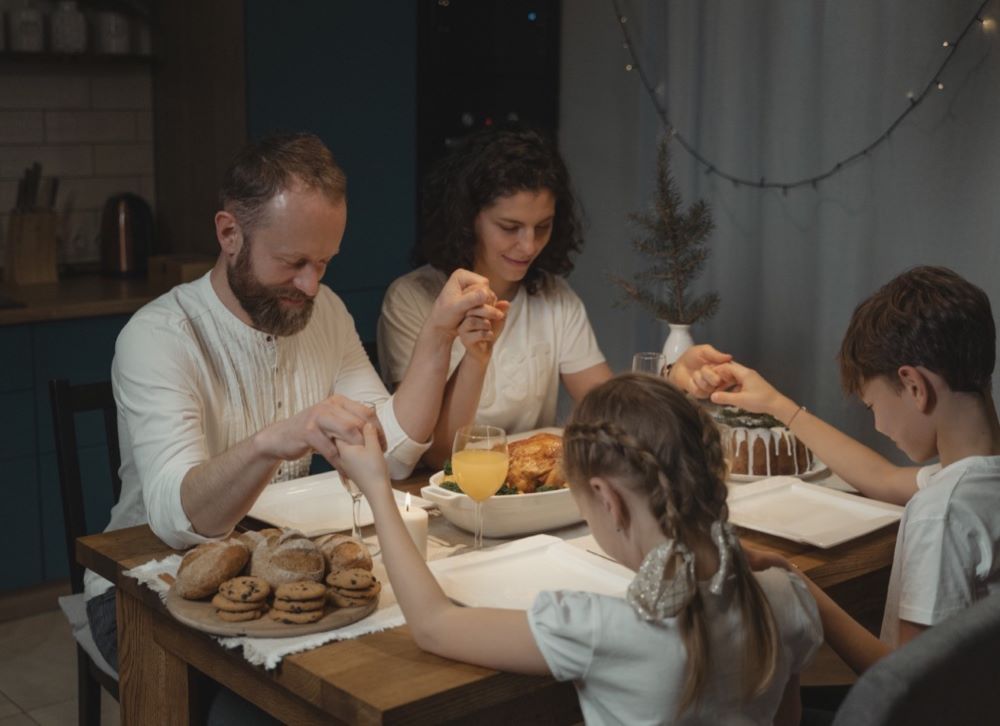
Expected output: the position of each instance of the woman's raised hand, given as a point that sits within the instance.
(481, 328)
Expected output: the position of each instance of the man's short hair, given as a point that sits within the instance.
(266, 167)
(930, 317)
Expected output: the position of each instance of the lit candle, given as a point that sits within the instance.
(415, 521)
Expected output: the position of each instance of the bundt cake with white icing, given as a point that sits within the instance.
(756, 444)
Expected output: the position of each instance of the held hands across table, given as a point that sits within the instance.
(695, 371)
(747, 389)
(314, 429)
(464, 295)
(363, 462)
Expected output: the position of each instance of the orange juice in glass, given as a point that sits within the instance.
(479, 463)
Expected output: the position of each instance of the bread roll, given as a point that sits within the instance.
(207, 566)
(343, 552)
(289, 558)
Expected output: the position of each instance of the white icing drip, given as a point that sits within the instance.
(740, 437)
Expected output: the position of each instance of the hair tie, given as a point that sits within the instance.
(655, 597)
(725, 541)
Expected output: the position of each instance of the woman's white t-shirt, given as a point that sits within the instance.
(545, 335)
(630, 671)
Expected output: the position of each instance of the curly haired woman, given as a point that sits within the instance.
(500, 204)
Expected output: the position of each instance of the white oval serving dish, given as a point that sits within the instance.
(509, 515)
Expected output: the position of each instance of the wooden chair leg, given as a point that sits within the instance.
(88, 691)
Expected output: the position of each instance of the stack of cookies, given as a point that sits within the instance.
(352, 588)
(241, 599)
(300, 602)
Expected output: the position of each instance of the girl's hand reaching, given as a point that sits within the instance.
(364, 463)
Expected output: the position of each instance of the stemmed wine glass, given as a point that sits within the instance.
(479, 463)
(652, 363)
(355, 493)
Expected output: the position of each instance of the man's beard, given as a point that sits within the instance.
(262, 303)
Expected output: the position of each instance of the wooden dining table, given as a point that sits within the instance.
(167, 669)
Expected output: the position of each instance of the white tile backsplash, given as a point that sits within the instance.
(144, 126)
(55, 160)
(122, 89)
(121, 159)
(38, 88)
(89, 124)
(98, 127)
(92, 192)
(21, 127)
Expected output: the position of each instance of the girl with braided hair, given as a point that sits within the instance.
(699, 638)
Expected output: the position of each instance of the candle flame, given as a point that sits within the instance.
(406, 502)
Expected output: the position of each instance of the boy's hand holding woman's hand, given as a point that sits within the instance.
(746, 388)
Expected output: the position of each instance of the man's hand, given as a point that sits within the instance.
(480, 329)
(748, 390)
(314, 429)
(694, 372)
(463, 292)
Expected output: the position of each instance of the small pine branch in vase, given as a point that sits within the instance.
(675, 244)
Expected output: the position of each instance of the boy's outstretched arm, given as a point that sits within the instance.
(871, 473)
(488, 637)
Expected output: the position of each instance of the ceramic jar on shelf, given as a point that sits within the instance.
(69, 28)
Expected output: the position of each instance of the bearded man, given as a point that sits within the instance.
(230, 382)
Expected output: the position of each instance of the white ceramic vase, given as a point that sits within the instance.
(677, 342)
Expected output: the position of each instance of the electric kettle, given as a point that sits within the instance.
(126, 236)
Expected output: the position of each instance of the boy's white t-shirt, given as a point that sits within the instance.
(630, 671)
(545, 335)
(948, 548)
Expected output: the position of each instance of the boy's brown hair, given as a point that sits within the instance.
(927, 316)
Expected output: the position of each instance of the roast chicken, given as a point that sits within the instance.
(535, 461)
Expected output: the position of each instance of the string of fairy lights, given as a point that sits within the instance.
(935, 84)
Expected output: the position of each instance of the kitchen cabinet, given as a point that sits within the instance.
(31, 525)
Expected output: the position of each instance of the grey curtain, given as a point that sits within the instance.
(784, 89)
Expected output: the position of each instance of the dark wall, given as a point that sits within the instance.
(346, 72)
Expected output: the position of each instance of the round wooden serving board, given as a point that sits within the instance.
(200, 615)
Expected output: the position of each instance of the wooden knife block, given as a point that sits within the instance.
(31, 248)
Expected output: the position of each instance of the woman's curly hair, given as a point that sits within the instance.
(485, 166)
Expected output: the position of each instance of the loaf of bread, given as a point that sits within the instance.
(343, 552)
(290, 557)
(207, 566)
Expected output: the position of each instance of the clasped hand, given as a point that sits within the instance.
(321, 428)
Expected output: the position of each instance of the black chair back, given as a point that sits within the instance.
(67, 401)
(949, 674)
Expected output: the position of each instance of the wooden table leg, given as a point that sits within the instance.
(154, 685)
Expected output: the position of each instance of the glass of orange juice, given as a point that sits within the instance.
(479, 463)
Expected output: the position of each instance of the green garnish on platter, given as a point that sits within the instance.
(504, 490)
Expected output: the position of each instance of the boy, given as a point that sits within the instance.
(919, 353)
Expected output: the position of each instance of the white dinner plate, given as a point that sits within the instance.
(512, 574)
(817, 471)
(314, 505)
(791, 508)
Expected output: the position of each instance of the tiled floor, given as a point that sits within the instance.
(38, 673)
